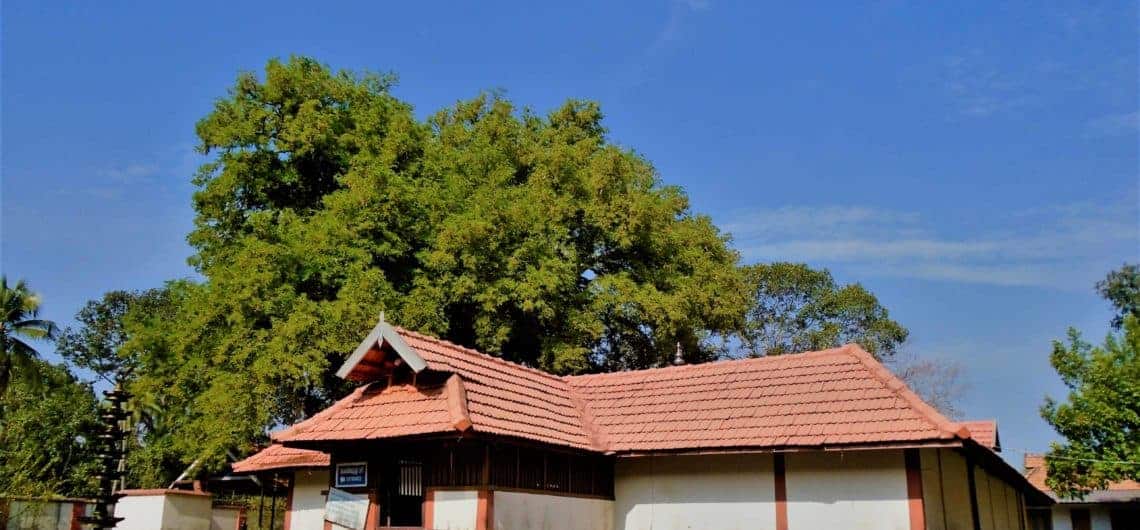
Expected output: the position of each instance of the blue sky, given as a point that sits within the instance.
(973, 164)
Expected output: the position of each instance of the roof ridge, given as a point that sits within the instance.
(588, 423)
(897, 387)
(687, 367)
(473, 351)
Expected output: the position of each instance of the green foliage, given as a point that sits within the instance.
(95, 344)
(1122, 289)
(21, 310)
(327, 201)
(795, 308)
(1100, 421)
(46, 420)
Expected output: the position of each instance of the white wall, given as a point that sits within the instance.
(40, 515)
(454, 510)
(308, 508)
(526, 511)
(187, 512)
(1098, 516)
(224, 518)
(174, 511)
(854, 490)
(140, 512)
(714, 492)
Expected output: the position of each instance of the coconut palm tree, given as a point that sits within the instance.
(21, 308)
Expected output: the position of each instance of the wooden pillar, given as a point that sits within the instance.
(913, 462)
(288, 517)
(429, 508)
(778, 469)
(485, 510)
(78, 510)
(372, 520)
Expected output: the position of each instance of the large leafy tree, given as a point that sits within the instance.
(1100, 420)
(96, 342)
(1121, 288)
(795, 308)
(47, 422)
(20, 324)
(326, 201)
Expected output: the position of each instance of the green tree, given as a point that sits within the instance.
(47, 419)
(795, 308)
(326, 201)
(1122, 289)
(1100, 420)
(21, 311)
(96, 343)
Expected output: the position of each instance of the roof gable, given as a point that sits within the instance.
(367, 360)
(985, 432)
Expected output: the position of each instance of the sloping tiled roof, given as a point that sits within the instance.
(373, 412)
(506, 398)
(1036, 472)
(841, 396)
(500, 398)
(277, 456)
(984, 432)
(831, 397)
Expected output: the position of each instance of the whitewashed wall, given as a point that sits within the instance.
(187, 512)
(1098, 515)
(853, 490)
(173, 511)
(454, 510)
(224, 518)
(714, 492)
(308, 508)
(40, 515)
(526, 511)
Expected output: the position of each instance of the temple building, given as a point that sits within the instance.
(439, 436)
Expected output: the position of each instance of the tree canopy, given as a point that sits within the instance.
(47, 419)
(1100, 420)
(21, 322)
(1121, 288)
(795, 308)
(96, 342)
(326, 201)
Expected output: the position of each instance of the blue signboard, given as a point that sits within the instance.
(352, 474)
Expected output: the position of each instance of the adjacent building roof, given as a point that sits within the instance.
(277, 456)
(839, 397)
(985, 433)
(1123, 491)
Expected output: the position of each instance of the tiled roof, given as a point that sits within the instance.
(1036, 472)
(506, 398)
(277, 456)
(831, 397)
(984, 432)
(841, 396)
(500, 398)
(373, 411)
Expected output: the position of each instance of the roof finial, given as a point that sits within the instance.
(381, 315)
(678, 359)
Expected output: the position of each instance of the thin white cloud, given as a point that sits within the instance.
(1053, 246)
(132, 173)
